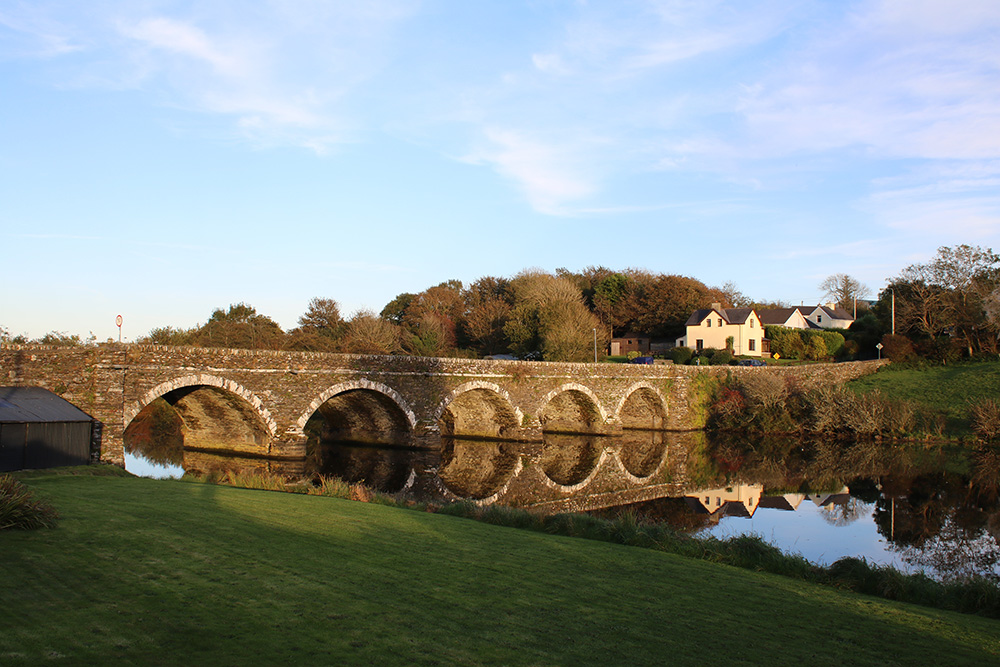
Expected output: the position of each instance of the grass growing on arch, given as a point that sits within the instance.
(174, 572)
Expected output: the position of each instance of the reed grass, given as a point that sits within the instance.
(21, 509)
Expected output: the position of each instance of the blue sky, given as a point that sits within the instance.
(163, 159)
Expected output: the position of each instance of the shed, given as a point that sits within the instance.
(39, 429)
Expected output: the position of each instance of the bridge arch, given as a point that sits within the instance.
(206, 412)
(206, 380)
(642, 407)
(362, 411)
(478, 409)
(572, 408)
(355, 385)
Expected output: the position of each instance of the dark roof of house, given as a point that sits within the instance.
(35, 404)
(630, 334)
(730, 315)
(775, 315)
(775, 503)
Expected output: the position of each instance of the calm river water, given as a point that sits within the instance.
(918, 509)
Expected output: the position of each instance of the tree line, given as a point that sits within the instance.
(535, 315)
(942, 309)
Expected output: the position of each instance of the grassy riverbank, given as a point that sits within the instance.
(949, 390)
(171, 572)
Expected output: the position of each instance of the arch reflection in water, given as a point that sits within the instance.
(383, 468)
(642, 452)
(477, 469)
(570, 459)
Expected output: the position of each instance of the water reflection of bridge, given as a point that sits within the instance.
(563, 473)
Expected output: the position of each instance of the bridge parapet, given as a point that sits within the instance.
(280, 391)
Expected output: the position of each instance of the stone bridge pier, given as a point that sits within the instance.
(268, 403)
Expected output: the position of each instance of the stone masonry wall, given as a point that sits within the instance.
(113, 382)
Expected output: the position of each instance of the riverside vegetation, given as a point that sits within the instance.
(175, 572)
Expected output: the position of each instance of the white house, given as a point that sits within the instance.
(713, 327)
(829, 316)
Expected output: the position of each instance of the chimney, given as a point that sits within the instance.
(717, 306)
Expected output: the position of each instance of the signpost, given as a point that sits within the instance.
(118, 321)
(878, 346)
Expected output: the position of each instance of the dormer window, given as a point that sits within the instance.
(751, 324)
(819, 319)
(708, 322)
(720, 321)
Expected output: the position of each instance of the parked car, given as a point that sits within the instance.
(751, 362)
(642, 360)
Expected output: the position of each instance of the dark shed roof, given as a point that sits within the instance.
(34, 404)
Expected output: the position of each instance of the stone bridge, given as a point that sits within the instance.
(266, 403)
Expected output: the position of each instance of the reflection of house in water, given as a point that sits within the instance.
(739, 500)
(743, 500)
(791, 501)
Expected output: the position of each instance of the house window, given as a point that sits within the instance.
(708, 322)
(751, 324)
(819, 318)
(753, 344)
(699, 344)
(720, 321)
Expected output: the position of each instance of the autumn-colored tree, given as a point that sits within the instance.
(660, 305)
(488, 303)
(432, 318)
(549, 317)
(367, 333)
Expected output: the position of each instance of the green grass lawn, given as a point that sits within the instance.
(948, 389)
(142, 571)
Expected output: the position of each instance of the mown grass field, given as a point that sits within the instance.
(142, 571)
(948, 389)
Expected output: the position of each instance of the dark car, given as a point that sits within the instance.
(642, 360)
(751, 362)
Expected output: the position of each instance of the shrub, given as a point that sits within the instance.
(20, 509)
(681, 355)
(785, 341)
(897, 348)
(834, 342)
(722, 358)
(813, 348)
(985, 418)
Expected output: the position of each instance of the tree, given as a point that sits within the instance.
(549, 316)
(168, 336)
(432, 318)
(844, 290)
(323, 316)
(957, 292)
(396, 309)
(732, 297)
(368, 333)
(487, 309)
(661, 304)
(240, 327)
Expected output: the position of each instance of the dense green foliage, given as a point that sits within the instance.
(172, 572)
